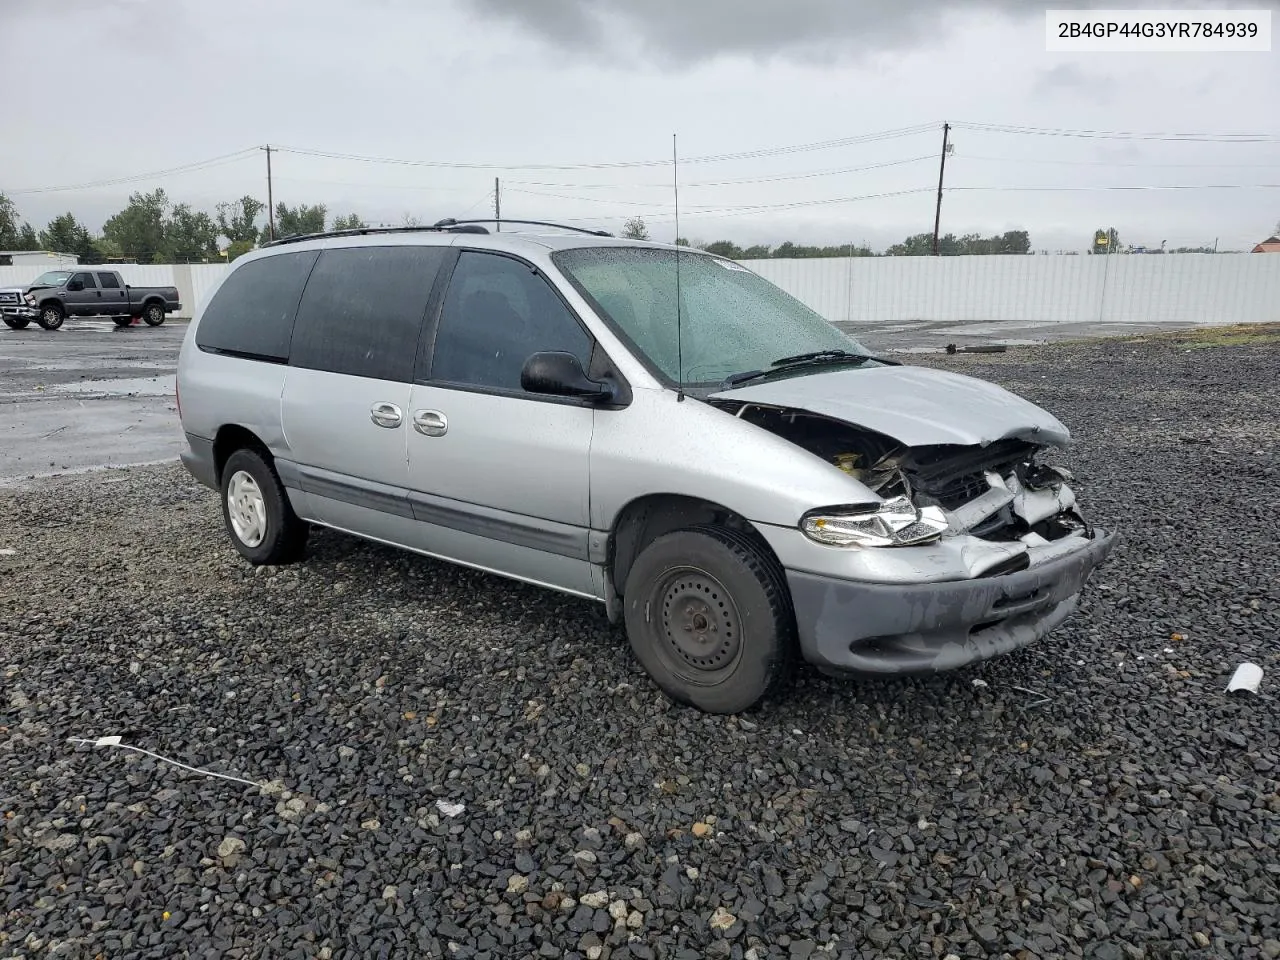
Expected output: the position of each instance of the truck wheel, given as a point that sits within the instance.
(154, 315)
(709, 617)
(51, 316)
(122, 321)
(17, 323)
(257, 513)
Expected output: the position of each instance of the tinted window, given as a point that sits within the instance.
(86, 279)
(252, 312)
(497, 313)
(363, 309)
(108, 281)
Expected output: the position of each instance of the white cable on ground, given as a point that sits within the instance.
(115, 742)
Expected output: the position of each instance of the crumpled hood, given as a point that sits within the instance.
(916, 406)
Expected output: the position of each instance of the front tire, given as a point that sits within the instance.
(153, 315)
(256, 511)
(51, 316)
(709, 617)
(17, 323)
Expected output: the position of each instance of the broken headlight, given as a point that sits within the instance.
(893, 523)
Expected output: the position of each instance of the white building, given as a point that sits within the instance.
(37, 258)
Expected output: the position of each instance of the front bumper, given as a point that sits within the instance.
(849, 626)
(11, 310)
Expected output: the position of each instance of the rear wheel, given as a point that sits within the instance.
(17, 323)
(709, 617)
(154, 315)
(122, 321)
(51, 316)
(257, 513)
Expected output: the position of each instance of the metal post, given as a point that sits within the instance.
(942, 169)
(271, 209)
(497, 203)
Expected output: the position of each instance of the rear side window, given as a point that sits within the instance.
(363, 310)
(498, 313)
(108, 281)
(251, 315)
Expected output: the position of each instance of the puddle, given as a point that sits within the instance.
(130, 386)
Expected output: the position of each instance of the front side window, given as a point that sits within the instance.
(108, 281)
(497, 313)
(363, 310)
(85, 280)
(732, 320)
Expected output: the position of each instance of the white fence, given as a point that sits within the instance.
(1135, 288)
(1132, 288)
(193, 280)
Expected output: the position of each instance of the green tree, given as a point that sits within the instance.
(635, 229)
(12, 235)
(1106, 241)
(189, 235)
(138, 231)
(298, 221)
(725, 248)
(238, 221)
(350, 222)
(65, 234)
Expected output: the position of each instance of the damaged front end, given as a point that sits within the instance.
(975, 548)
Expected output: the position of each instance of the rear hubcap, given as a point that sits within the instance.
(700, 624)
(246, 509)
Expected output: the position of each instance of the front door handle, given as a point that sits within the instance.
(430, 423)
(386, 415)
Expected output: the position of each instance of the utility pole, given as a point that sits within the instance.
(942, 169)
(271, 209)
(497, 203)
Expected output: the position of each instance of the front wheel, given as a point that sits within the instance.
(17, 323)
(154, 315)
(51, 316)
(709, 617)
(257, 513)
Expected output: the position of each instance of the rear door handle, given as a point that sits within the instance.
(430, 423)
(386, 415)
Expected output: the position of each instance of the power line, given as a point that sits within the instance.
(1138, 187)
(1120, 163)
(620, 164)
(807, 175)
(1120, 134)
(157, 174)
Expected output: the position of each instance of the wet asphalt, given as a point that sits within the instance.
(93, 395)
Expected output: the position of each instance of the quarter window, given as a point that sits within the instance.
(252, 313)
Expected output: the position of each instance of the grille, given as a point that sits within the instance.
(9, 298)
(958, 491)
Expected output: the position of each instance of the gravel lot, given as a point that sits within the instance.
(1134, 814)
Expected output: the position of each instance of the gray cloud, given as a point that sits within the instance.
(688, 31)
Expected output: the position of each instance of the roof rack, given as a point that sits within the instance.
(448, 225)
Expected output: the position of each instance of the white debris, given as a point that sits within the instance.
(979, 683)
(8, 552)
(1246, 679)
(450, 809)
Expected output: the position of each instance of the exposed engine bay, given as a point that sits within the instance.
(999, 493)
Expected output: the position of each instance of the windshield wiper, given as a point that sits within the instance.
(815, 358)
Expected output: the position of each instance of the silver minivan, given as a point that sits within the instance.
(648, 426)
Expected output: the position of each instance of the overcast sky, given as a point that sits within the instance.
(145, 85)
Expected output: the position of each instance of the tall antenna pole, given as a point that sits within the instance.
(497, 203)
(942, 169)
(675, 189)
(271, 208)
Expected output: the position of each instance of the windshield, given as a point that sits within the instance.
(51, 279)
(732, 320)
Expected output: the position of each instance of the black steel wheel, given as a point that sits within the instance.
(709, 617)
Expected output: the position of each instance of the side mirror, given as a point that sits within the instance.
(560, 374)
(75, 285)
